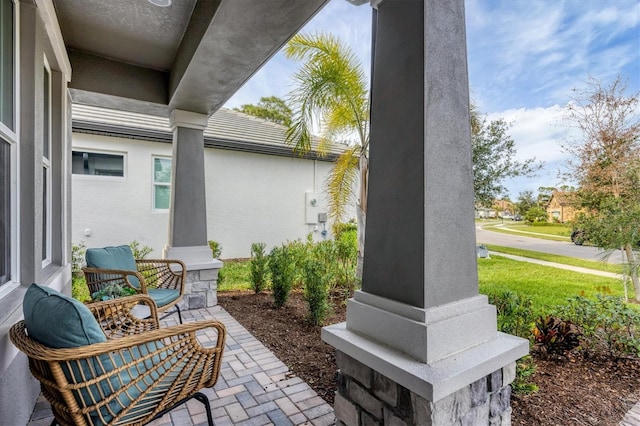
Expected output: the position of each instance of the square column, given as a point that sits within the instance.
(419, 320)
(188, 210)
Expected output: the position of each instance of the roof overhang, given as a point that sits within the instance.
(193, 55)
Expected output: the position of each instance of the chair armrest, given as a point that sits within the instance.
(98, 278)
(163, 273)
(137, 375)
(126, 316)
(180, 338)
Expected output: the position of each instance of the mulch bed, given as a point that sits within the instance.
(572, 391)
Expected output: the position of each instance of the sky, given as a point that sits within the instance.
(524, 59)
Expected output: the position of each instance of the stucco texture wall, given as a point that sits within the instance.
(250, 198)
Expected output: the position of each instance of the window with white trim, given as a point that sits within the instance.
(97, 164)
(7, 131)
(46, 166)
(161, 183)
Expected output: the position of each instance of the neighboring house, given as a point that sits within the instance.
(562, 206)
(485, 213)
(257, 189)
(505, 208)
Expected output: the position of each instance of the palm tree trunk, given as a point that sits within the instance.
(361, 212)
(362, 218)
(633, 270)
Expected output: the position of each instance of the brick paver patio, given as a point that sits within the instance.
(254, 389)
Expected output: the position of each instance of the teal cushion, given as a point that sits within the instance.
(163, 296)
(59, 321)
(120, 257)
(157, 365)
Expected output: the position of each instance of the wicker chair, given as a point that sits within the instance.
(163, 280)
(140, 373)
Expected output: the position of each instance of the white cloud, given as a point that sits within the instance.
(538, 132)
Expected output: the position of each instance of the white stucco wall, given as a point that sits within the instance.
(250, 198)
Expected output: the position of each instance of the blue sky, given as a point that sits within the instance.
(524, 59)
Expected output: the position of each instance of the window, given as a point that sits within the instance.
(97, 164)
(5, 212)
(161, 183)
(7, 132)
(7, 64)
(46, 167)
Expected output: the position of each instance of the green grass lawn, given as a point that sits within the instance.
(548, 287)
(235, 275)
(557, 230)
(554, 232)
(590, 264)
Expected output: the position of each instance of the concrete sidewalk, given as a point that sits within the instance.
(559, 265)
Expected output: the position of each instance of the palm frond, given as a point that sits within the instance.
(330, 86)
(340, 183)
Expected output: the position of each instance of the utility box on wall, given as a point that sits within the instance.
(311, 207)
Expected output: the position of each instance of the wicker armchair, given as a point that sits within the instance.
(163, 280)
(140, 373)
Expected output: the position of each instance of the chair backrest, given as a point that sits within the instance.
(119, 257)
(95, 380)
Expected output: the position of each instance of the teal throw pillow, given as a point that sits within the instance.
(120, 257)
(59, 321)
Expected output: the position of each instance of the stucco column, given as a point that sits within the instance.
(188, 210)
(419, 319)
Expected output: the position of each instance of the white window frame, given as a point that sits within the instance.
(154, 183)
(11, 137)
(100, 151)
(46, 166)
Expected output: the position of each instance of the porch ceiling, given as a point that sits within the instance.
(192, 55)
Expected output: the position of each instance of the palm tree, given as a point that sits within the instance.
(331, 90)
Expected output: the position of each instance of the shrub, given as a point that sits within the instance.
(77, 257)
(315, 292)
(258, 267)
(299, 253)
(113, 291)
(609, 325)
(554, 335)
(536, 214)
(216, 249)
(515, 313)
(525, 368)
(340, 228)
(282, 273)
(79, 289)
(346, 258)
(139, 252)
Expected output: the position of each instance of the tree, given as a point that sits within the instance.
(526, 201)
(606, 165)
(269, 108)
(331, 89)
(536, 214)
(494, 152)
(544, 195)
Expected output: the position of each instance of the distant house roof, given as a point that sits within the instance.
(227, 129)
(563, 198)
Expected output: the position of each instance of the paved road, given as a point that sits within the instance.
(546, 246)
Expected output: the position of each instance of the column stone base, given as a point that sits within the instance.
(434, 381)
(201, 289)
(367, 397)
